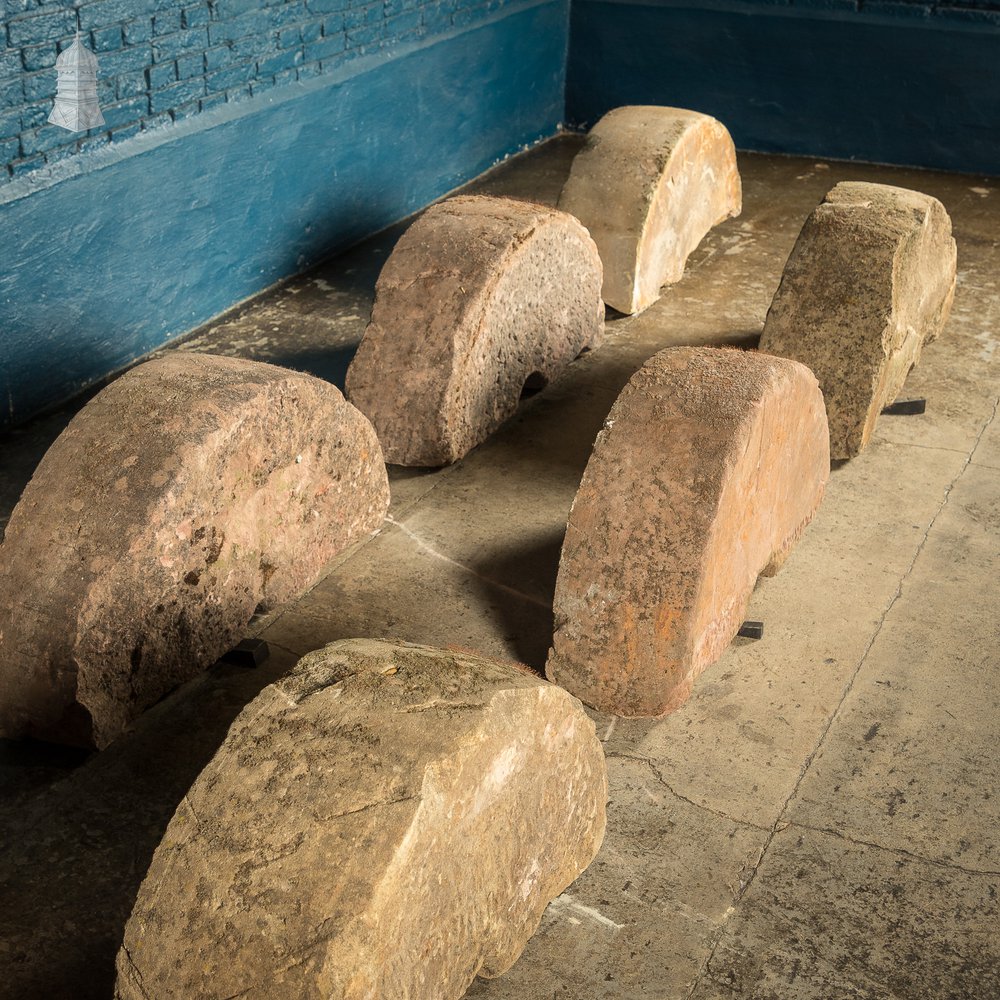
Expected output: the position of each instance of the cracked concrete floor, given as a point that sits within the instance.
(818, 821)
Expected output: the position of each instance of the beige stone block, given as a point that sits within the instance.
(480, 297)
(710, 465)
(386, 821)
(870, 280)
(649, 184)
(190, 492)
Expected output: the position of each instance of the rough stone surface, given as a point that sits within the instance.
(188, 493)
(871, 279)
(388, 820)
(709, 466)
(649, 184)
(480, 297)
(892, 583)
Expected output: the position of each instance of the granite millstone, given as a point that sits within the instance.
(189, 493)
(386, 821)
(708, 468)
(871, 280)
(480, 297)
(649, 183)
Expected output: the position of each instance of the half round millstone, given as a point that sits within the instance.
(387, 821)
(188, 493)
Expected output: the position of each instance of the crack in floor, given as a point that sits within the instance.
(923, 447)
(910, 855)
(354, 550)
(617, 755)
(431, 551)
(781, 823)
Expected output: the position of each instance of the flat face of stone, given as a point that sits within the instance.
(388, 820)
(870, 280)
(648, 185)
(710, 465)
(480, 295)
(185, 495)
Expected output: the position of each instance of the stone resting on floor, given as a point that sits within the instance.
(708, 468)
(480, 297)
(870, 280)
(649, 184)
(188, 493)
(388, 820)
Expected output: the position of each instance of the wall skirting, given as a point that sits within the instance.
(907, 84)
(110, 254)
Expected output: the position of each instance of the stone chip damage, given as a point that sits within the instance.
(649, 183)
(710, 465)
(191, 492)
(387, 820)
(871, 280)
(481, 297)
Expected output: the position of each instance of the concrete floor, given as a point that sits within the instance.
(818, 821)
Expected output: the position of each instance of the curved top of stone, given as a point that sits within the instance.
(479, 294)
(887, 197)
(186, 494)
(648, 184)
(887, 213)
(709, 466)
(869, 281)
(388, 820)
(125, 448)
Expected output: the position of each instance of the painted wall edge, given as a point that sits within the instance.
(108, 258)
(903, 90)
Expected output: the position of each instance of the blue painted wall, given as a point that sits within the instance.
(247, 139)
(108, 254)
(892, 82)
(165, 60)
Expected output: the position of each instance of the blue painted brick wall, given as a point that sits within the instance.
(972, 10)
(908, 8)
(164, 60)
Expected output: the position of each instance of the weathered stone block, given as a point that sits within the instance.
(870, 280)
(480, 296)
(188, 493)
(710, 465)
(649, 184)
(388, 820)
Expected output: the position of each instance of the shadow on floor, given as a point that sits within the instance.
(22, 449)
(329, 364)
(76, 853)
(519, 584)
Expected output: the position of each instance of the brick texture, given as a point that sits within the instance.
(983, 10)
(163, 60)
(940, 11)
